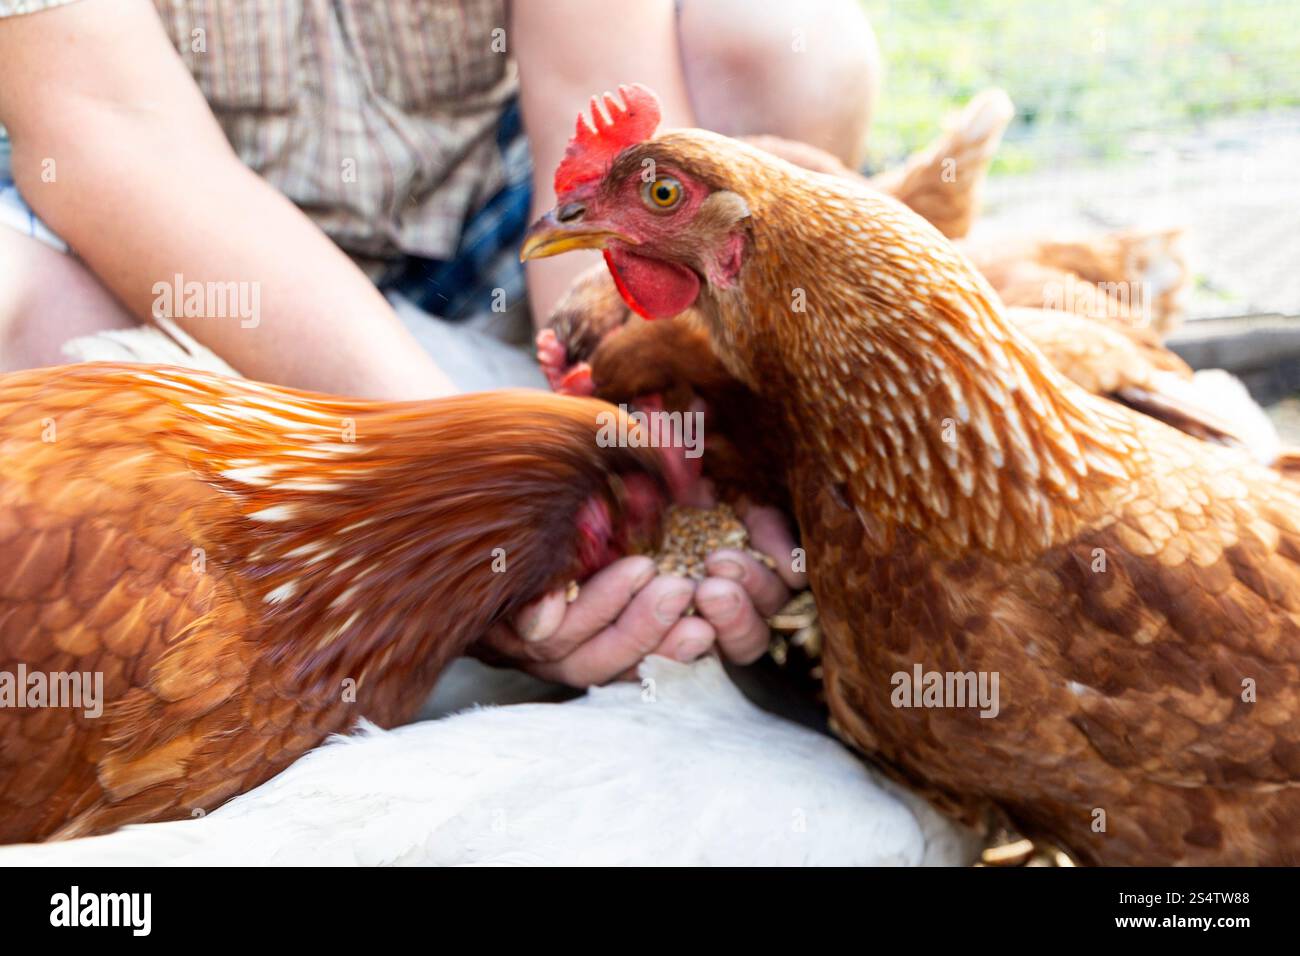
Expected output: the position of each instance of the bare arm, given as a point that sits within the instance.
(145, 187)
(568, 50)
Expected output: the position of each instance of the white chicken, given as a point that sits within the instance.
(679, 770)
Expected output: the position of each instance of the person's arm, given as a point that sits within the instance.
(116, 149)
(568, 50)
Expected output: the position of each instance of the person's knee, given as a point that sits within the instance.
(16, 277)
(46, 298)
(803, 71)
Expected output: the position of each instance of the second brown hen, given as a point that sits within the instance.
(972, 515)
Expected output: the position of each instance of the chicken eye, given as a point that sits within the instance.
(664, 193)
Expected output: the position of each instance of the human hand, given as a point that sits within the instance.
(627, 611)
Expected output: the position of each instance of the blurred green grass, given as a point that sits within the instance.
(1085, 76)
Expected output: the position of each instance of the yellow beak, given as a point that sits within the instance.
(550, 237)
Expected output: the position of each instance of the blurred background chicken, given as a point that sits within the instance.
(253, 568)
(1137, 276)
(955, 493)
(944, 182)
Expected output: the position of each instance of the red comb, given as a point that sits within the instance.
(612, 128)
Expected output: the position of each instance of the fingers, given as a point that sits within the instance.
(550, 350)
(552, 357)
(541, 619)
(626, 612)
(688, 639)
(600, 601)
(621, 615)
(741, 632)
(764, 587)
(769, 532)
(645, 624)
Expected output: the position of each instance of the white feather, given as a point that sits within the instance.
(1226, 395)
(165, 343)
(679, 770)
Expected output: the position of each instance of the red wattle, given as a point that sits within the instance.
(622, 287)
(652, 288)
(576, 381)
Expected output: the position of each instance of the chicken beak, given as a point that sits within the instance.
(560, 230)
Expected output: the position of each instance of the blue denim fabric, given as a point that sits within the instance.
(488, 256)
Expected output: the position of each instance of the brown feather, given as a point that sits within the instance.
(966, 507)
(234, 558)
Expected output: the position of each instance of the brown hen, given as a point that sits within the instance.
(968, 512)
(251, 568)
(581, 355)
(1139, 276)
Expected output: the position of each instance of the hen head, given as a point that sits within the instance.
(869, 330)
(667, 223)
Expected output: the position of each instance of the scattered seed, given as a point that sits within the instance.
(1008, 854)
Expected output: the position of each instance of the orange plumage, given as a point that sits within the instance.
(582, 355)
(1139, 276)
(967, 509)
(253, 568)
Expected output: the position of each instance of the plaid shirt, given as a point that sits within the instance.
(379, 118)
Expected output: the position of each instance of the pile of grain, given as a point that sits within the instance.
(690, 535)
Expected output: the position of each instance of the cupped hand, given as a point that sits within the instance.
(627, 612)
